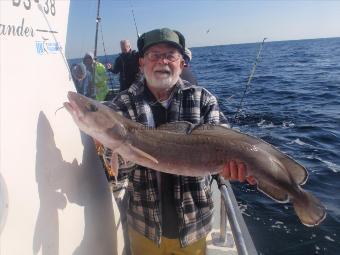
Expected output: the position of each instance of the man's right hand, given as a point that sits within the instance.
(108, 66)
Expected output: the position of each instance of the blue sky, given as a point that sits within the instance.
(228, 22)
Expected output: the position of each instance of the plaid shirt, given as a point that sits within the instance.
(193, 198)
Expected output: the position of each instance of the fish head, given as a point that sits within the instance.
(92, 117)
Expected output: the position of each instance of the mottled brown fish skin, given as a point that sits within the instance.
(182, 149)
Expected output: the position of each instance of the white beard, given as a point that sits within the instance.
(162, 83)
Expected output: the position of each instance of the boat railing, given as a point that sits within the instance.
(229, 210)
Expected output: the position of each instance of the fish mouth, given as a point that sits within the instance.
(72, 95)
(73, 100)
(73, 105)
(79, 104)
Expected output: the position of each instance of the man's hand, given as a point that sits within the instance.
(108, 66)
(237, 171)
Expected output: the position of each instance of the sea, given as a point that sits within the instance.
(292, 102)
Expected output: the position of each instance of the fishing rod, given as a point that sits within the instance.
(249, 79)
(102, 36)
(96, 37)
(134, 20)
(111, 79)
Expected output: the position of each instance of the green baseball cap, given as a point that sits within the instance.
(163, 35)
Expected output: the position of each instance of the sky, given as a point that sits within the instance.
(202, 22)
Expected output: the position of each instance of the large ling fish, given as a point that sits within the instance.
(184, 149)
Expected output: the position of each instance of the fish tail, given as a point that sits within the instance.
(309, 209)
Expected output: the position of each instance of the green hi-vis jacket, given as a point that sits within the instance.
(100, 81)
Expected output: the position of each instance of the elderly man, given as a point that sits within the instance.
(168, 214)
(126, 64)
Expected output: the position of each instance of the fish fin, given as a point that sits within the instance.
(296, 171)
(114, 164)
(273, 192)
(309, 209)
(142, 154)
(190, 128)
(183, 127)
(211, 129)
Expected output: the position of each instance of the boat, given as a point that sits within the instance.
(54, 195)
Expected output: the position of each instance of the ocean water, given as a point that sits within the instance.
(293, 103)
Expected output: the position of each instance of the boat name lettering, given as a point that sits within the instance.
(21, 30)
(47, 5)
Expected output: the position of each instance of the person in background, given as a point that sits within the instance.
(126, 64)
(83, 80)
(186, 72)
(99, 76)
(168, 214)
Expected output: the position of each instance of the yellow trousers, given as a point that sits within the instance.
(140, 245)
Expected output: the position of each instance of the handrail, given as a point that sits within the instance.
(229, 207)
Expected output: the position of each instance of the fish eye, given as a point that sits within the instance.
(91, 107)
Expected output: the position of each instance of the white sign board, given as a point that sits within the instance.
(55, 198)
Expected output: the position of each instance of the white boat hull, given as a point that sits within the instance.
(58, 200)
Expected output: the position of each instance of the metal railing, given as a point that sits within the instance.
(229, 211)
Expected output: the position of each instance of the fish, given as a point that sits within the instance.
(183, 148)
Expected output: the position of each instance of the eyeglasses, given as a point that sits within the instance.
(156, 56)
